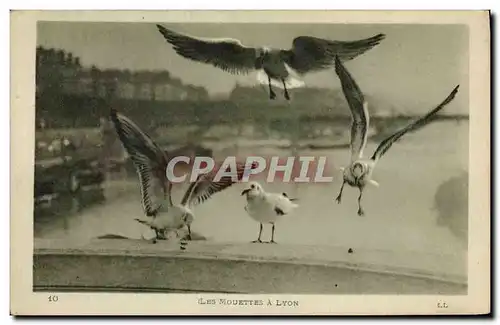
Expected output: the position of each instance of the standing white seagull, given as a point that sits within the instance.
(151, 162)
(282, 68)
(266, 207)
(359, 172)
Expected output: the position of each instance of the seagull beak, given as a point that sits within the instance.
(245, 191)
(144, 222)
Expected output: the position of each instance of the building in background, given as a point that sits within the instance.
(60, 72)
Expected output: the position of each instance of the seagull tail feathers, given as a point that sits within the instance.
(291, 200)
(291, 82)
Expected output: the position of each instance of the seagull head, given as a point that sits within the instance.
(262, 53)
(253, 189)
(358, 169)
(187, 217)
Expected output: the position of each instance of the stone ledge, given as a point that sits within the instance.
(135, 265)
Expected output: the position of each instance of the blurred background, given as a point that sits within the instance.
(85, 185)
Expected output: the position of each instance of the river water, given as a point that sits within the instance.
(399, 215)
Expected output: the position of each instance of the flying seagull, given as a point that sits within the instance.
(359, 172)
(150, 162)
(266, 207)
(281, 68)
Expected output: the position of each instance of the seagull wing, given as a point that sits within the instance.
(417, 124)
(358, 108)
(309, 54)
(149, 161)
(206, 186)
(227, 54)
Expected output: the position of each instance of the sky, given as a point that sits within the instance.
(414, 68)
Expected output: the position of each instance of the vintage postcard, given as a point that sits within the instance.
(250, 162)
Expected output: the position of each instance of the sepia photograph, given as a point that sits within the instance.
(244, 166)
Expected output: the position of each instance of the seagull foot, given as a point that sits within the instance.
(272, 242)
(272, 95)
(287, 97)
(338, 199)
(257, 241)
(361, 212)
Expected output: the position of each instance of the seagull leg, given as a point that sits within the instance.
(157, 236)
(188, 237)
(272, 95)
(260, 233)
(272, 237)
(287, 96)
(360, 209)
(339, 197)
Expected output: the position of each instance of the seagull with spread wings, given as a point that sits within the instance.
(151, 162)
(281, 68)
(359, 172)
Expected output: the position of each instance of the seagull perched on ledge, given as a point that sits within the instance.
(360, 170)
(150, 162)
(266, 207)
(282, 68)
